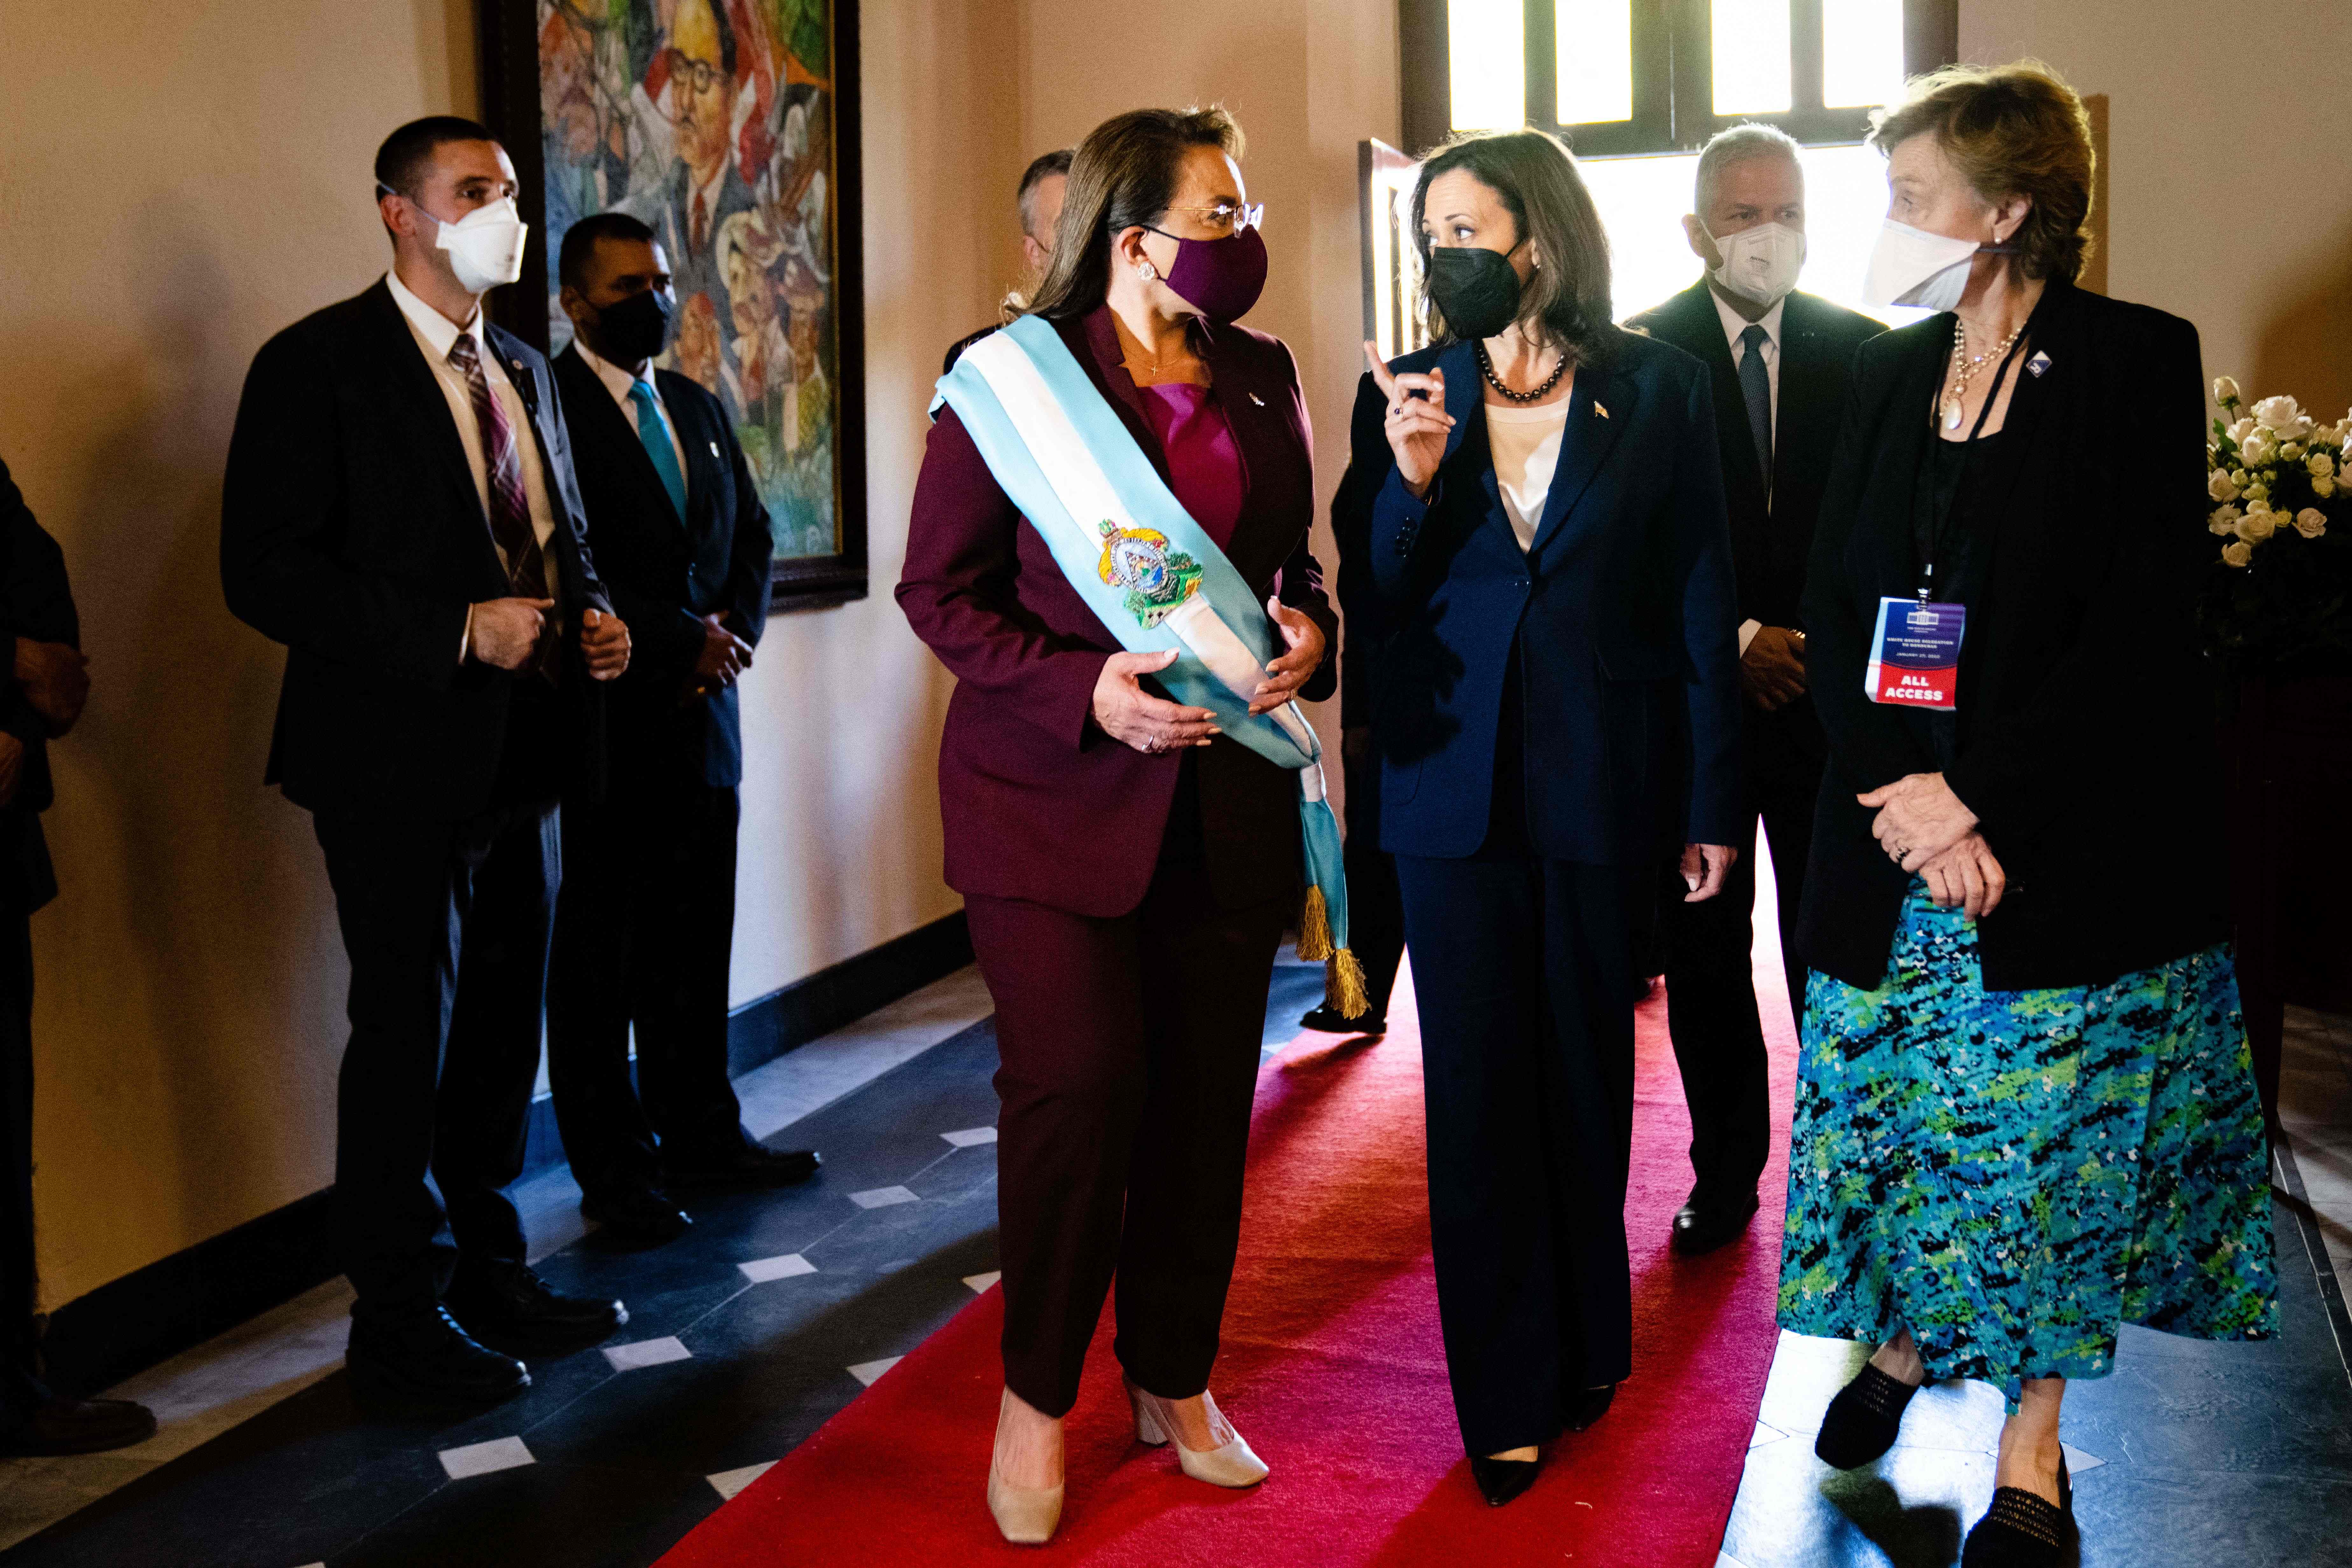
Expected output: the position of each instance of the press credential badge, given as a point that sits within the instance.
(1914, 655)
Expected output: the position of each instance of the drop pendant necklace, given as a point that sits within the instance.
(1964, 367)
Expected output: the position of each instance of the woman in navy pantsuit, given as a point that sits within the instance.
(1543, 512)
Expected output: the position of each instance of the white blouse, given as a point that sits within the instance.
(1525, 446)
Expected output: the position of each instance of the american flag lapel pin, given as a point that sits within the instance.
(1256, 399)
(1602, 411)
(2038, 364)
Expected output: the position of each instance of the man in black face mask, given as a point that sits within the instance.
(645, 916)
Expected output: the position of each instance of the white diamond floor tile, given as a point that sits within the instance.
(729, 1484)
(483, 1458)
(882, 1197)
(970, 1136)
(760, 1270)
(2079, 1460)
(648, 1352)
(981, 1282)
(865, 1371)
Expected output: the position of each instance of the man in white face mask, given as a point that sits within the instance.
(1778, 359)
(400, 512)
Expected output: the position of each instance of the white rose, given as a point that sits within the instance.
(2225, 391)
(2220, 486)
(2224, 520)
(2283, 415)
(2291, 450)
(2321, 464)
(2242, 428)
(2322, 489)
(2237, 554)
(2257, 526)
(2258, 492)
(2311, 522)
(2258, 448)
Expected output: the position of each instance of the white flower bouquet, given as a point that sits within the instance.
(2279, 598)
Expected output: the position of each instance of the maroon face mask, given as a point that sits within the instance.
(1222, 278)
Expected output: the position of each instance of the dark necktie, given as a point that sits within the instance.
(510, 508)
(1756, 387)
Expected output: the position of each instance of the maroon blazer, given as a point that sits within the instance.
(1039, 803)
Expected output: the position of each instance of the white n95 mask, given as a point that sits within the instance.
(485, 247)
(1912, 267)
(1761, 263)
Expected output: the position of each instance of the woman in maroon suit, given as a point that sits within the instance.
(1128, 870)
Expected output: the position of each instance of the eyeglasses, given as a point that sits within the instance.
(1225, 218)
(699, 75)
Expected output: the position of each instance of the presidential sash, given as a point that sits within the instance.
(1152, 576)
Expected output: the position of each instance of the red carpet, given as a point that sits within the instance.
(1331, 1365)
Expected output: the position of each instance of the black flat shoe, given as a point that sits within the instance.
(63, 1425)
(1702, 1225)
(508, 1302)
(1326, 1020)
(1862, 1420)
(748, 1166)
(1589, 1406)
(424, 1361)
(1500, 1480)
(638, 1215)
(2021, 1530)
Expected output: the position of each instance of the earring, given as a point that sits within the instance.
(1145, 270)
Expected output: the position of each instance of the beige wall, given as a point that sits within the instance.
(2226, 192)
(163, 210)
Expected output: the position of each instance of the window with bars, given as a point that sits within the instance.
(1619, 77)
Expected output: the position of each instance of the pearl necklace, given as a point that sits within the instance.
(1965, 368)
(1486, 367)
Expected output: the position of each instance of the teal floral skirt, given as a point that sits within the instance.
(2011, 1176)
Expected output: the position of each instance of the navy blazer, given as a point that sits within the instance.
(350, 532)
(664, 574)
(1622, 613)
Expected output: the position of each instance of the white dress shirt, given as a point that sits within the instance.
(617, 381)
(436, 335)
(1734, 323)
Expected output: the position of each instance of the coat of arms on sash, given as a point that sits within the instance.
(1157, 579)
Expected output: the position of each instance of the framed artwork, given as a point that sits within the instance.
(730, 127)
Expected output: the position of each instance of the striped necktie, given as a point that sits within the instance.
(518, 540)
(652, 432)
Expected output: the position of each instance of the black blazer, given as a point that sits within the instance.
(1771, 536)
(1620, 614)
(352, 533)
(37, 601)
(2085, 722)
(664, 576)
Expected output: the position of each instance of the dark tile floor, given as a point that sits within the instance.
(771, 1316)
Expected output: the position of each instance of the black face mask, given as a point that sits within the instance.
(1473, 289)
(634, 329)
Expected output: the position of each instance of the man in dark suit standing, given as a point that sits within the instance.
(399, 510)
(41, 695)
(1778, 360)
(647, 917)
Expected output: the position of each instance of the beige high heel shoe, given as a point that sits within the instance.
(1230, 1464)
(1025, 1516)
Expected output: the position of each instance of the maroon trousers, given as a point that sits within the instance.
(1129, 1053)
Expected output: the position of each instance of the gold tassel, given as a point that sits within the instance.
(1315, 927)
(1343, 984)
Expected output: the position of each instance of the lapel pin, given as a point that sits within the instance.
(2038, 364)
(1256, 399)
(714, 448)
(1602, 411)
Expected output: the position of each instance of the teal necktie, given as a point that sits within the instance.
(652, 431)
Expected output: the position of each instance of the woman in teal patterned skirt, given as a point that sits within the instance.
(2024, 1114)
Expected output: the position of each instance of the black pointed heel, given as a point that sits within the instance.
(1862, 1421)
(1500, 1480)
(2022, 1530)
